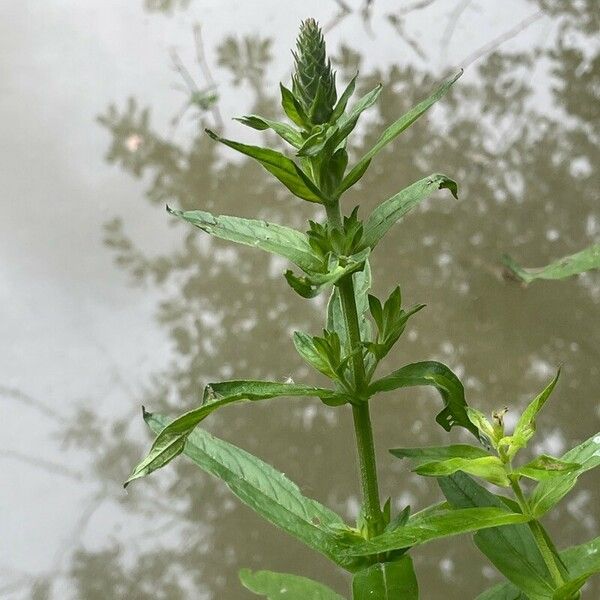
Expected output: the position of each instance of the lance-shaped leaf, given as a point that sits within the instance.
(340, 107)
(282, 167)
(316, 141)
(315, 283)
(265, 490)
(431, 526)
(361, 105)
(525, 427)
(548, 493)
(292, 108)
(171, 440)
(483, 425)
(546, 467)
(512, 549)
(394, 130)
(433, 453)
(438, 375)
(391, 321)
(580, 262)
(284, 131)
(278, 239)
(386, 581)
(394, 208)
(322, 353)
(332, 170)
(582, 562)
(490, 468)
(282, 586)
(344, 126)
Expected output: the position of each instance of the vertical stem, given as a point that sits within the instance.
(368, 468)
(360, 412)
(538, 535)
(346, 289)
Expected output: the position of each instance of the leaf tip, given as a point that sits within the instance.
(173, 211)
(211, 134)
(450, 185)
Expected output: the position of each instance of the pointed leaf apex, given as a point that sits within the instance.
(175, 212)
(212, 134)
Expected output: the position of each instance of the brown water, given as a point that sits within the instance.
(108, 304)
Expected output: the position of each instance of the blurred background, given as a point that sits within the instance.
(107, 303)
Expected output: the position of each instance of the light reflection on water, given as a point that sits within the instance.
(93, 339)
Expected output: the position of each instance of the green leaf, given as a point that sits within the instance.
(481, 422)
(344, 127)
(293, 108)
(580, 262)
(333, 170)
(316, 282)
(434, 374)
(363, 104)
(490, 468)
(276, 586)
(284, 131)
(265, 490)
(282, 167)
(546, 467)
(391, 321)
(399, 520)
(511, 549)
(340, 107)
(284, 241)
(355, 175)
(549, 492)
(525, 427)
(431, 526)
(386, 581)
(171, 440)
(430, 453)
(567, 591)
(394, 130)
(314, 143)
(582, 562)
(394, 208)
(314, 351)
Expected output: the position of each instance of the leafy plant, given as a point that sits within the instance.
(360, 331)
(523, 553)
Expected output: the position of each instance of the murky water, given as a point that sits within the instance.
(108, 304)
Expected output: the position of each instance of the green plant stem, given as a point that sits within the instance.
(538, 535)
(360, 411)
(346, 289)
(368, 468)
